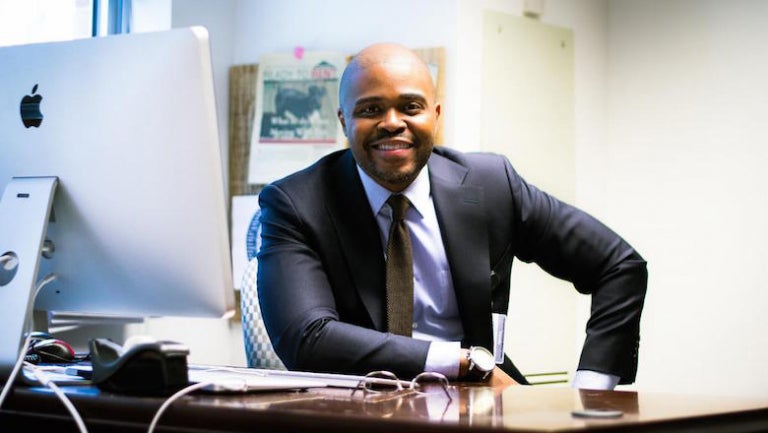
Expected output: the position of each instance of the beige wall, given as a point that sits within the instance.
(685, 178)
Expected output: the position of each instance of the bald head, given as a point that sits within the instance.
(389, 114)
(389, 55)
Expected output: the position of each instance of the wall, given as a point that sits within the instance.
(685, 180)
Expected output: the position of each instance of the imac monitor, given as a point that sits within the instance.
(121, 132)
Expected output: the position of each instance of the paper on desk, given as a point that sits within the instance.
(327, 379)
(246, 234)
(233, 380)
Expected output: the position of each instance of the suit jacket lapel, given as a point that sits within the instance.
(359, 237)
(460, 212)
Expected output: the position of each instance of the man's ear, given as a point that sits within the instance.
(340, 115)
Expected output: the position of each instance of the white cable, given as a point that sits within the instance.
(20, 360)
(173, 398)
(45, 380)
(38, 373)
(44, 282)
(15, 371)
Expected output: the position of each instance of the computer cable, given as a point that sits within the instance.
(173, 398)
(38, 373)
(22, 353)
(45, 380)
(15, 371)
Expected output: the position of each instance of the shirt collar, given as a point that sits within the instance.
(417, 192)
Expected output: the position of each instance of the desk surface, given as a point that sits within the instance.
(472, 408)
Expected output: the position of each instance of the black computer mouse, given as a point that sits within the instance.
(53, 350)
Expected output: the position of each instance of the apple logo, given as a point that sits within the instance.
(30, 109)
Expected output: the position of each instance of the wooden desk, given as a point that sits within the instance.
(473, 408)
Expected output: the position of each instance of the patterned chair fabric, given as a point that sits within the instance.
(258, 348)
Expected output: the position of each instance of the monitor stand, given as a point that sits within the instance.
(24, 214)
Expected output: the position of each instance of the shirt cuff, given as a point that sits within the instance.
(588, 379)
(443, 358)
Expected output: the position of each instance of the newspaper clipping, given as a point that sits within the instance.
(295, 117)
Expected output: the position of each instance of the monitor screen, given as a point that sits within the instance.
(127, 125)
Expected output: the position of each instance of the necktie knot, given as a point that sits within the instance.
(399, 204)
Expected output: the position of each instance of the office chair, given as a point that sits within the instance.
(259, 352)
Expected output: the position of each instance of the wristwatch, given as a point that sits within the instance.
(481, 363)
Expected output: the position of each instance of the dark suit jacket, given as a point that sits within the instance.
(321, 264)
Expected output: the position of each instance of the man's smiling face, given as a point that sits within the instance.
(389, 114)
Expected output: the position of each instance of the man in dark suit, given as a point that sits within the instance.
(322, 263)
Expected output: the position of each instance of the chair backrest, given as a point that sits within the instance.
(258, 348)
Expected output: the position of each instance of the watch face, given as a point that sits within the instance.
(483, 359)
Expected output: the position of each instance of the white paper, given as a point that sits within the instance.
(295, 121)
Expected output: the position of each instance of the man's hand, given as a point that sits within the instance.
(500, 380)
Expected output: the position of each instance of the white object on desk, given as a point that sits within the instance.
(326, 379)
(231, 380)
